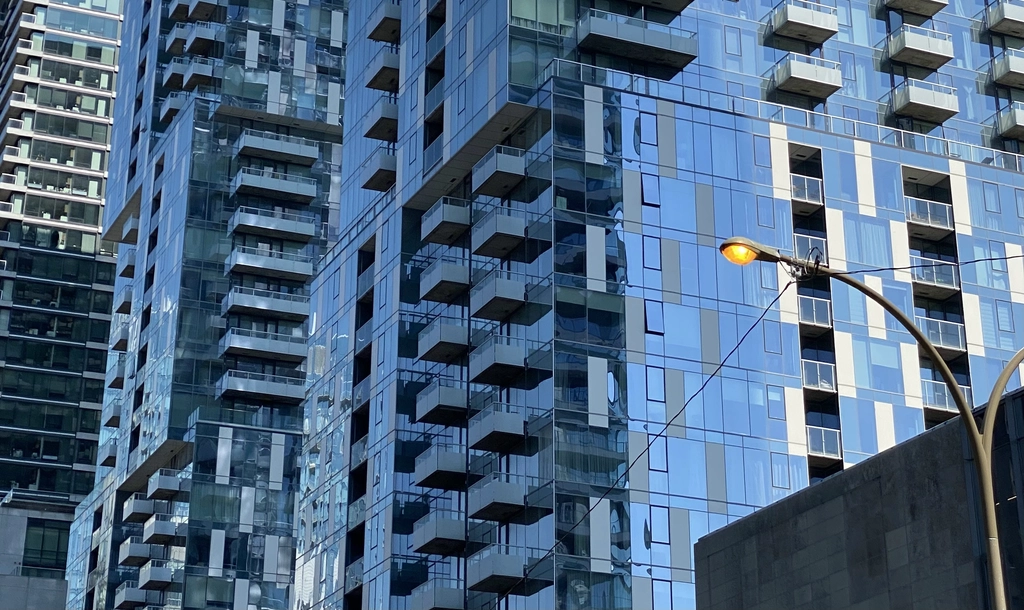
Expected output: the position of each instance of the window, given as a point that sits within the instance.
(1019, 195)
(762, 151)
(652, 252)
(732, 40)
(1004, 316)
(651, 190)
(772, 337)
(997, 252)
(654, 316)
(991, 194)
(769, 276)
(46, 544)
(780, 470)
(656, 383)
(776, 402)
(766, 212)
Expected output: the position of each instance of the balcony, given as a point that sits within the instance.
(811, 249)
(107, 453)
(156, 575)
(933, 278)
(202, 36)
(273, 223)
(129, 595)
(802, 20)
(440, 532)
(443, 402)
(267, 262)
(819, 378)
(936, 395)
(174, 73)
(130, 231)
(504, 569)
(498, 361)
(200, 71)
(922, 47)
(672, 6)
(636, 39)
(382, 122)
(385, 23)
(161, 529)
(171, 105)
(260, 344)
(110, 416)
(165, 484)
(365, 282)
(443, 340)
(807, 194)
(1008, 68)
(126, 262)
(931, 220)
(811, 76)
(928, 8)
(278, 147)
(175, 41)
(133, 552)
(356, 513)
(383, 70)
(1010, 121)
(815, 315)
(137, 509)
(442, 467)
(499, 171)
(498, 295)
(824, 445)
(380, 171)
(446, 221)
(444, 280)
(260, 386)
(435, 49)
(925, 101)
(116, 372)
(498, 233)
(509, 498)
(123, 301)
(273, 185)
(438, 594)
(1006, 17)
(193, 10)
(500, 428)
(254, 301)
(948, 337)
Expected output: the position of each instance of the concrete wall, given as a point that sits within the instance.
(888, 534)
(22, 592)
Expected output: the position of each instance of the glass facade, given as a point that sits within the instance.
(514, 390)
(225, 150)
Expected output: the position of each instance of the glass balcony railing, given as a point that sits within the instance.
(819, 375)
(922, 85)
(815, 311)
(943, 333)
(811, 6)
(366, 279)
(934, 272)
(508, 151)
(806, 188)
(810, 249)
(652, 26)
(917, 30)
(936, 395)
(931, 213)
(824, 442)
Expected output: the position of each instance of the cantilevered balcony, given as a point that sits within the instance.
(933, 278)
(174, 43)
(161, 528)
(500, 428)
(498, 360)
(382, 121)
(137, 508)
(129, 595)
(123, 301)
(382, 70)
(444, 280)
(807, 194)
(202, 36)
(948, 337)
(815, 315)
(439, 594)
(192, 10)
(922, 47)
(116, 372)
(279, 147)
(166, 483)
(928, 8)
(255, 301)
(385, 24)
(497, 295)
(499, 171)
(380, 170)
(1006, 17)
(926, 219)
(107, 453)
(442, 402)
(443, 340)
(156, 575)
(925, 101)
(803, 20)
(260, 386)
(110, 416)
(936, 395)
(275, 263)
(636, 39)
(506, 498)
(506, 569)
(819, 378)
(1008, 68)
(134, 552)
(442, 467)
(283, 223)
(200, 71)
(1010, 121)
(498, 233)
(806, 75)
(260, 344)
(126, 262)
(824, 446)
(171, 105)
(273, 185)
(440, 532)
(445, 221)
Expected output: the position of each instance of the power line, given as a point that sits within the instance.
(528, 569)
(937, 263)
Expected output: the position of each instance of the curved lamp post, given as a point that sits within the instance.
(742, 251)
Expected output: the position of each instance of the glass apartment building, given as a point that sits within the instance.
(527, 288)
(225, 143)
(58, 67)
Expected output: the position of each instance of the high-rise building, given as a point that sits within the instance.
(58, 64)
(224, 147)
(528, 288)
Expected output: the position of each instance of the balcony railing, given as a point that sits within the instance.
(287, 256)
(819, 375)
(917, 30)
(810, 249)
(259, 334)
(943, 333)
(815, 311)
(824, 442)
(806, 188)
(509, 151)
(936, 395)
(270, 294)
(931, 213)
(286, 139)
(276, 214)
(638, 23)
(254, 171)
(935, 272)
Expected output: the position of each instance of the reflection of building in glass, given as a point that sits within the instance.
(529, 289)
(229, 131)
(58, 63)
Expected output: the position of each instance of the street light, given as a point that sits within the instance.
(742, 251)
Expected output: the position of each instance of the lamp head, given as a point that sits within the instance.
(742, 251)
